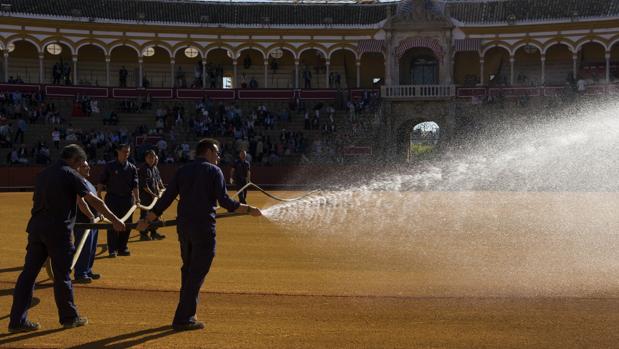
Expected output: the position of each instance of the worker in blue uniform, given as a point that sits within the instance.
(120, 181)
(86, 214)
(200, 185)
(49, 235)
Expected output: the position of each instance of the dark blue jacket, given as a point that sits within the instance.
(200, 185)
(55, 194)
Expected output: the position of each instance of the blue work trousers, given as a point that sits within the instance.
(85, 261)
(197, 253)
(60, 249)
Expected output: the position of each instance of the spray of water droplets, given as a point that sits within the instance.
(505, 206)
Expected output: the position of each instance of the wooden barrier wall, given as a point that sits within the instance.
(24, 176)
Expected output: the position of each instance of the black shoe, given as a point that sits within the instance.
(77, 322)
(82, 280)
(156, 236)
(94, 276)
(113, 254)
(124, 253)
(27, 326)
(196, 325)
(144, 237)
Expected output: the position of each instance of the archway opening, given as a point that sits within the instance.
(157, 69)
(24, 62)
(91, 66)
(592, 63)
(342, 69)
(372, 70)
(251, 72)
(189, 59)
(124, 64)
(527, 66)
(219, 68)
(496, 67)
(417, 138)
(466, 68)
(312, 68)
(281, 68)
(559, 65)
(58, 64)
(419, 66)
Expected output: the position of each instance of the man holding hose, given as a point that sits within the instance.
(49, 235)
(201, 185)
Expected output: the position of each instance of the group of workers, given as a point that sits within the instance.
(63, 195)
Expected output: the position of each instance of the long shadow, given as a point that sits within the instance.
(35, 302)
(8, 270)
(128, 340)
(29, 335)
(9, 291)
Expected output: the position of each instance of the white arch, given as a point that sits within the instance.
(158, 45)
(606, 49)
(255, 48)
(192, 44)
(523, 44)
(484, 51)
(612, 43)
(69, 44)
(355, 53)
(283, 48)
(307, 48)
(559, 42)
(77, 49)
(125, 44)
(34, 43)
(211, 48)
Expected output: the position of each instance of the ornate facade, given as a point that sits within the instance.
(413, 42)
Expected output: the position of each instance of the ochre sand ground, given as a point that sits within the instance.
(425, 270)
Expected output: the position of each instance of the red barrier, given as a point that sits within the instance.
(155, 93)
(24, 176)
(265, 94)
(72, 91)
(215, 94)
(19, 88)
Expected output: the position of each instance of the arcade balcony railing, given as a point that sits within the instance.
(418, 91)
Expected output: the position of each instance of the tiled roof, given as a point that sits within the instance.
(349, 14)
(208, 12)
(530, 10)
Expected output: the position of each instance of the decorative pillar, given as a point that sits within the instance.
(396, 70)
(387, 58)
(358, 64)
(172, 76)
(607, 56)
(266, 73)
(296, 73)
(543, 80)
(107, 70)
(481, 71)
(6, 66)
(74, 70)
(234, 77)
(41, 58)
(204, 73)
(140, 72)
(512, 60)
(575, 66)
(327, 72)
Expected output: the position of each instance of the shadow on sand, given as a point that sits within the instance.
(128, 340)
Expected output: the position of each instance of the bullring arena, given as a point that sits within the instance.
(431, 174)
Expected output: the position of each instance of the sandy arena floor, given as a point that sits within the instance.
(392, 270)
